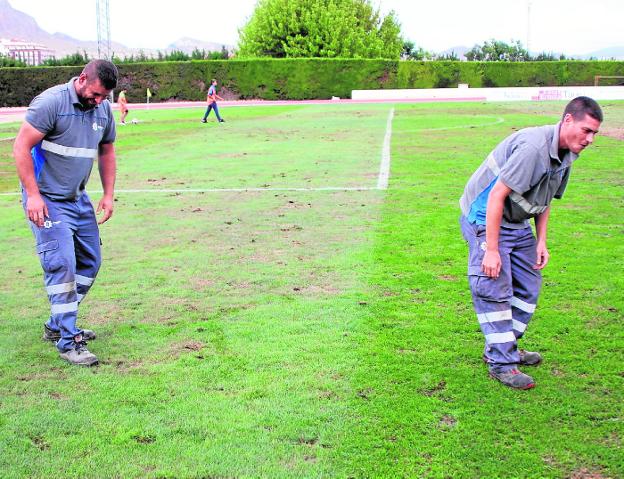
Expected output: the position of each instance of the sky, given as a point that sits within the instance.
(566, 26)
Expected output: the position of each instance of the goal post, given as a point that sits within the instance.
(599, 78)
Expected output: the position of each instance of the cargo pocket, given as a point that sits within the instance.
(48, 256)
(490, 289)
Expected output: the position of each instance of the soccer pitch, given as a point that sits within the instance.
(267, 307)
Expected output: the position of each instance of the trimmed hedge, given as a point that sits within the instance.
(301, 79)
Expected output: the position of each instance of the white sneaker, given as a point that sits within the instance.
(80, 356)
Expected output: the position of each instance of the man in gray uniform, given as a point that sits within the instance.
(516, 182)
(66, 128)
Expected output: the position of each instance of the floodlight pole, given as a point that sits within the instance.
(103, 29)
(103, 33)
(528, 40)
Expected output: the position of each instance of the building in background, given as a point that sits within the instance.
(30, 53)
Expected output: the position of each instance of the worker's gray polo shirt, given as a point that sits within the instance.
(64, 158)
(520, 162)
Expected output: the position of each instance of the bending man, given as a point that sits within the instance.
(516, 182)
(66, 128)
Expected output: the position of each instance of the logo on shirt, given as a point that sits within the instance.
(95, 126)
(48, 224)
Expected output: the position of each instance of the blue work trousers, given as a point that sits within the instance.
(504, 305)
(68, 246)
(212, 106)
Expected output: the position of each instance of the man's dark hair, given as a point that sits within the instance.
(581, 106)
(104, 70)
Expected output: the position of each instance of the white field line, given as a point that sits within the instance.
(384, 168)
(8, 139)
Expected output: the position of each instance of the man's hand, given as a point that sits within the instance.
(542, 256)
(36, 209)
(491, 264)
(105, 205)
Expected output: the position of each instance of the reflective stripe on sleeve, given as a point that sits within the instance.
(61, 288)
(491, 163)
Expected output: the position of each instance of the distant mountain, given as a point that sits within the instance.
(460, 51)
(616, 53)
(187, 45)
(18, 25)
(607, 54)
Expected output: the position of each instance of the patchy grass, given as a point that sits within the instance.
(314, 333)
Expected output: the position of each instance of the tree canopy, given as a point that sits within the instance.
(320, 28)
(495, 51)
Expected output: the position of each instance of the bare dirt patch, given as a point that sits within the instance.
(587, 474)
(617, 133)
(317, 290)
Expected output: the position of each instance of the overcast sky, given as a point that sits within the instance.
(568, 26)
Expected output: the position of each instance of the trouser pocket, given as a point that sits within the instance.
(48, 256)
(490, 289)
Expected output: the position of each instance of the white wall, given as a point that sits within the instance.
(492, 94)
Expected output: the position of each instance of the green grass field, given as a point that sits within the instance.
(314, 326)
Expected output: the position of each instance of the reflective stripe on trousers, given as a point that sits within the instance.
(504, 305)
(68, 245)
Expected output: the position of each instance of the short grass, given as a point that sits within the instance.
(318, 333)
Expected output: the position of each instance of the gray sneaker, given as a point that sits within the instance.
(528, 358)
(513, 378)
(80, 355)
(51, 335)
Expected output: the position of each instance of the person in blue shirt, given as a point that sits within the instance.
(212, 102)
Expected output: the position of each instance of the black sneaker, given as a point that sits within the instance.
(204, 121)
(221, 120)
(51, 335)
(513, 378)
(80, 355)
(528, 358)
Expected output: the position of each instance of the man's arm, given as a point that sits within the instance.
(26, 139)
(541, 227)
(491, 264)
(107, 164)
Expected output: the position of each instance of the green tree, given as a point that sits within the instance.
(73, 60)
(6, 61)
(410, 52)
(497, 51)
(320, 28)
(549, 57)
